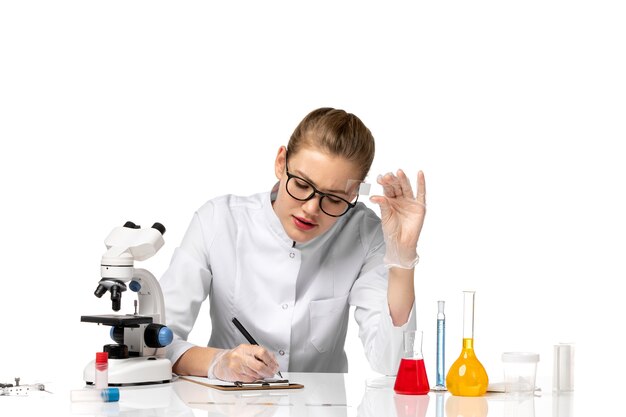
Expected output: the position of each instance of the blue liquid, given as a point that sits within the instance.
(441, 349)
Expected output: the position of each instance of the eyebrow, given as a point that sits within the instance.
(306, 177)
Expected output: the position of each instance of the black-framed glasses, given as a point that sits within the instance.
(302, 190)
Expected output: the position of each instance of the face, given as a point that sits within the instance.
(304, 220)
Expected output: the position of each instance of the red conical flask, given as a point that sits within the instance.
(412, 378)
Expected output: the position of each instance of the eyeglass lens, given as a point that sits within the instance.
(303, 191)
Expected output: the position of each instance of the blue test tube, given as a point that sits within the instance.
(441, 348)
(106, 395)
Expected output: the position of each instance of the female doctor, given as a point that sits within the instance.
(289, 263)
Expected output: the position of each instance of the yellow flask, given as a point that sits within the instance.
(467, 376)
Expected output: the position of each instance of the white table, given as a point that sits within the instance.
(323, 395)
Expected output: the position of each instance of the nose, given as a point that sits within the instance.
(312, 206)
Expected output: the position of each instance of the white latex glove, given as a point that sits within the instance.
(402, 217)
(245, 363)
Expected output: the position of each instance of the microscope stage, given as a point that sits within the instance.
(128, 320)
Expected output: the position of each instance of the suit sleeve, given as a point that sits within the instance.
(186, 284)
(382, 341)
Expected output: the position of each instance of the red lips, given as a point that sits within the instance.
(303, 224)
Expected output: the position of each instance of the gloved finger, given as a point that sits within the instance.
(383, 203)
(421, 188)
(245, 374)
(405, 185)
(248, 369)
(393, 185)
(268, 358)
(235, 365)
(263, 364)
(386, 182)
(256, 369)
(231, 368)
(397, 188)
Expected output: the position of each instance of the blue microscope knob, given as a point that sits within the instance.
(134, 286)
(157, 335)
(165, 336)
(117, 334)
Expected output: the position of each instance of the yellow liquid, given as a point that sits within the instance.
(467, 376)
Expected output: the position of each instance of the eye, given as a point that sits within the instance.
(334, 200)
(301, 184)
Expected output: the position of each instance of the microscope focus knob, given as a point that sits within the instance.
(116, 351)
(157, 335)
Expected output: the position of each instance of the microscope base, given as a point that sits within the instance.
(133, 371)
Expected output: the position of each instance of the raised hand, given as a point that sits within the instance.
(402, 217)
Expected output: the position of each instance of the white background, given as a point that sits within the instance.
(114, 111)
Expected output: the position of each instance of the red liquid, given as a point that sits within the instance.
(412, 378)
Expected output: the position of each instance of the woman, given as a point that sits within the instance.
(289, 263)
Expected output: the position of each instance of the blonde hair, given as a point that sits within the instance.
(338, 133)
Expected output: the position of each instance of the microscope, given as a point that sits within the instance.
(138, 356)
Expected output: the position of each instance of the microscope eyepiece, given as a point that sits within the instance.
(159, 227)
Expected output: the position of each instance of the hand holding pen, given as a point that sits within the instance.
(248, 337)
(245, 363)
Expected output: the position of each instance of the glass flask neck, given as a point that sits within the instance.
(413, 344)
(468, 315)
(468, 344)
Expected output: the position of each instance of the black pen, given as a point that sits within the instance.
(247, 335)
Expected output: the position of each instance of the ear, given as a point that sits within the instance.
(279, 164)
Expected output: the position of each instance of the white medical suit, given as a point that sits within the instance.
(293, 299)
